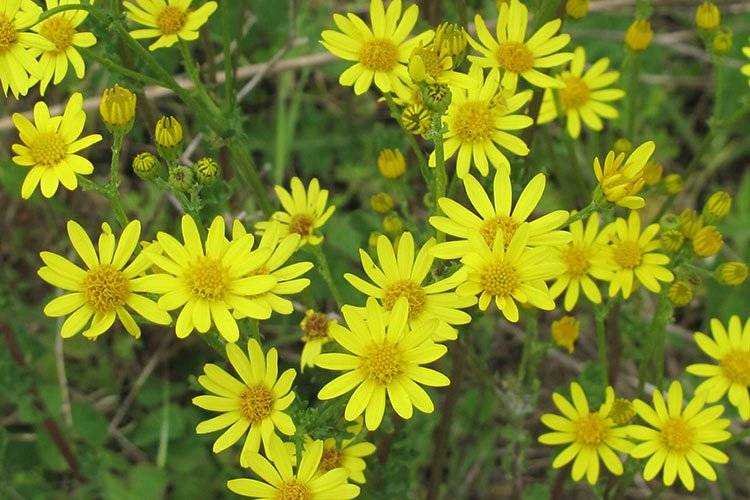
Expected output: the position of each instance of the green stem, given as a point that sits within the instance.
(325, 271)
(653, 354)
(600, 315)
(113, 186)
(240, 153)
(226, 39)
(529, 341)
(113, 66)
(62, 8)
(441, 177)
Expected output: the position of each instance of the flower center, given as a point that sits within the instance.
(59, 31)
(207, 279)
(405, 288)
(332, 459)
(627, 254)
(171, 20)
(315, 326)
(736, 366)
(293, 490)
(591, 430)
(301, 224)
(383, 362)
(256, 403)
(622, 411)
(473, 122)
(378, 54)
(499, 278)
(489, 229)
(575, 260)
(515, 57)
(48, 149)
(105, 288)
(7, 33)
(677, 435)
(575, 93)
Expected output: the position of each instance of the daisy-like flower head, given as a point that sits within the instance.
(516, 55)
(254, 404)
(621, 182)
(633, 255)
(315, 326)
(280, 481)
(17, 61)
(169, 20)
(109, 286)
(379, 51)
(678, 439)
(582, 259)
(386, 358)
(212, 281)
(730, 348)
(402, 274)
(347, 455)
(477, 121)
(304, 211)
(497, 215)
(583, 95)
(511, 274)
(61, 31)
(49, 146)
(589, 435)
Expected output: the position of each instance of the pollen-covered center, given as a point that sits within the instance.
(503, 223)
(576, 261)
(301, 224)
(736, 366)
(315, 326)
(405, 288)
(627, 254)
(8, 34)
(293, 490)
(515, 57)
(677, 435)
(59, 31)
(383, 362)
(171, 20)
(433, 64)
(575, 93)
(48, 149)
(499, 279)
(256, 403)
(332, 458)
(105, 288)
(622, 411)
(378, 54)
(207, 279)
(591, 430)
(473, 121)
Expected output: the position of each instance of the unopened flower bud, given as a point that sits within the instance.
(622, 411)
(717, 207)
(391, 163)
(168, 132)
(372, 240)
(707, 16)
(436, 97)
(565, 332)
(671, 240)
(680, 293)
(146, 166)
(450, 40)
(181, 178)
(673, 183)
(707, 241)
(577, 9)
(392, 224)
(689, 222)
(416, 119)
(381, 202)
(117, 108)
(652, 173)
(722, 42)
(638, 36)
(622, 145)
(731, 273)
(207, 170)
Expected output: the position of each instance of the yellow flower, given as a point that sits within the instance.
(386, 358)
(638, 35)
(583, 258)
(565, 332)
(506, 275)
(450, 39)
(379, 51)
(304, 211)
(499, 217)
(50, 145)
(314, 327)
(707, 241)
(745, 69)
(732, 273)
(621, 182)
(109, 285)
(577, 9)
(433, 65)
(589, 435)
(117, 106)
(680, 293)
(60, 30)
(280, 481)
(633, 256)
(169, 20)
(168, 132)
(582, 95)
(17, 59)
(391, 163)
(254, 405)
(679, 439)
(515, 55)
(707, 16)
(652, 173)
(211, 282)
(717, 207)
(402, 274)
(478, 119)
(730, 348)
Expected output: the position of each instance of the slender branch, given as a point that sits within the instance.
(325, 271)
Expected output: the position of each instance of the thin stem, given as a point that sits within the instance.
(441, 177)
(529, 341)
(226, 39)
(239, 151)
(600, 315)
(113, 66)
(325, 271)
(62, 8)
(113, 186)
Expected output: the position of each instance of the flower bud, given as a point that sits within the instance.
(450, 39)
(146, 166)
(673, 183)
(722, 42)
(638, 36)
(436, 97)
(671, 240)
(680, 293)
(117, 109)
(731, 273)
(717, 207)
(622, 145)
(181, 178)
(707, 241)
(707, 16)
(565, 332)
(168, 132)
(392, 224)
(577, 9)
(652, 173)
(381, 202)
(391, 163)
(417, 67)
(689, 222)
(207, 170)
(372, 240)
(416, 119)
